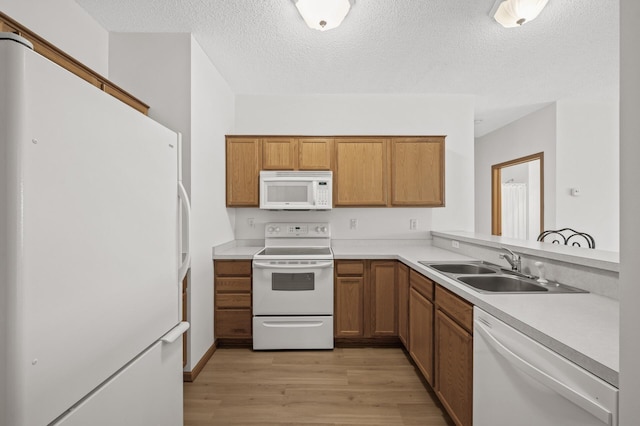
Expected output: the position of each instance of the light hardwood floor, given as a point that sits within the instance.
(346, 386)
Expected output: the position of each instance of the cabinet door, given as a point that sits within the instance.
(349, 304)
(454, 368)
(233, 323)
(243, 170)
(361, 172)
(403, 304)
(315, 153)
(417, 171)
(279, 154)
(384, 299)
(421, 333)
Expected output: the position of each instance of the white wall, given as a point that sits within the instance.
(531, 134)
(371, 115)
(187, 94)
(67, 26)
(212, 117)
(629, 212)
(587, 157)
(580, 140)
(156, 69)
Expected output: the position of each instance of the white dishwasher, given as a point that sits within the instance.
(517, 381)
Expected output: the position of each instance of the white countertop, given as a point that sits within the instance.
(584, 328)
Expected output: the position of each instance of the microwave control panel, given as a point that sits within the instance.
(323, 194)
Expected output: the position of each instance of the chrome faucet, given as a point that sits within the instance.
(513, 259)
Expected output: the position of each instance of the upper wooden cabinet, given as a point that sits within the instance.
(315, 153)
(368, 171)
(244, 159)
(361, 172)
(397, 171)
(279, 154)
(417, 171)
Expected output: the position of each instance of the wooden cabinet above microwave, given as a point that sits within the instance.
(368, 171)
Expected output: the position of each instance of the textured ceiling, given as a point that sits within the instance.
(396, 47)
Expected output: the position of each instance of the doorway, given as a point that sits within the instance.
(517, 197)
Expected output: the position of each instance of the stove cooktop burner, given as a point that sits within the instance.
(295, 251)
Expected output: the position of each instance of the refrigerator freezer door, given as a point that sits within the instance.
(146, 392)
(90, 220)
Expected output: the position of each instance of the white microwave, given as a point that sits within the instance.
(296, 190)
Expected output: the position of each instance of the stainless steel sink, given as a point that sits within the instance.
(485, 277)
(502, 284)
(463, 268)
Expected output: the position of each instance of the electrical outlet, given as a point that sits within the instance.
(413, 224)
(353, 224)
(251, 222)
(455, 244)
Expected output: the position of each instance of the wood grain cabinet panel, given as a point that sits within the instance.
(232, 299)
(454, 368)
(403, 303)
(421, 333)
(454, 355)
(315, 153)
(279, 154)
(366, 300)
(244, 159)
(417, 171)
(349, 306)
(361, 172)
(384, 299)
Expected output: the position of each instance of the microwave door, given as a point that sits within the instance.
(282, 195)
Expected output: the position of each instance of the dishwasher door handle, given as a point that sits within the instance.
(545, 379)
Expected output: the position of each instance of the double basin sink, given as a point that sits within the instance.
(486, 277)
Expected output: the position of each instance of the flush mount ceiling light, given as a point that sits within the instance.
(514, 13)
(323, 15)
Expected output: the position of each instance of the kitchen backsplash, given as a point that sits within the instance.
(346, 223)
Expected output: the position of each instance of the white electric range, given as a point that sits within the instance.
(293, 288)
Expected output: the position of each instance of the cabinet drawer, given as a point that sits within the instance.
(459, 310)
(233, 300)
(234, 323)
(233, 285)
(232, 267)
(422, 284)
(355, 267)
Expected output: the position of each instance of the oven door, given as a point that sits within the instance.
(298, 287)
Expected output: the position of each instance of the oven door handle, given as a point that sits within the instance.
(319, 265)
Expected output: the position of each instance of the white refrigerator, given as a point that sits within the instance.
(90, 262)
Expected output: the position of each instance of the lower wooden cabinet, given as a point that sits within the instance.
(402, 278)
(365, 299)
(454, 355)
(232, 299)
(421, 308)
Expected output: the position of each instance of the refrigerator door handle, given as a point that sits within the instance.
(545, 379)
(184, 202)
(175, 332)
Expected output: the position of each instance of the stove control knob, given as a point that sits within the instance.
(277, 229)
(321, 229)
(270, 229)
